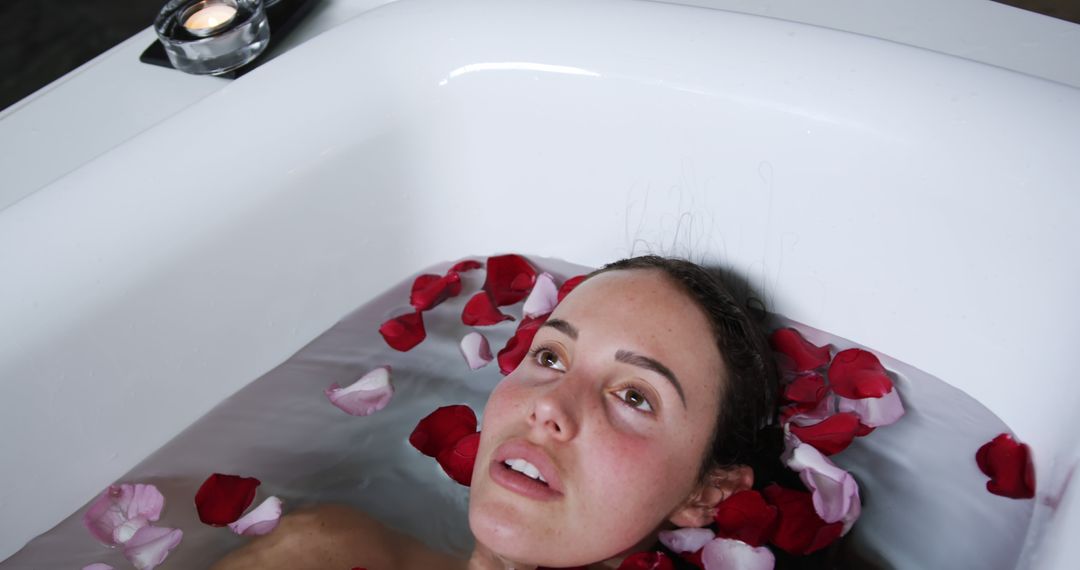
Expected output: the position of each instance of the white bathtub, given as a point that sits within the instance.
(913, 202)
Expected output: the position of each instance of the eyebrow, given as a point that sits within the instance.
(647, 363)
(563, 327)
(625, 356)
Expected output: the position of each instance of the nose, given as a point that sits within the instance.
(554, 413)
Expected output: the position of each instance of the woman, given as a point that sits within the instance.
(636, 410)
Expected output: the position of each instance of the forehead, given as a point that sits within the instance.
(645, 311)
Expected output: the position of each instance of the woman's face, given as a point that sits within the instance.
(614, 407)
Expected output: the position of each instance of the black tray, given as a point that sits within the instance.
(282, 16)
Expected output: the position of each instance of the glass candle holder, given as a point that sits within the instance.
(212, 36)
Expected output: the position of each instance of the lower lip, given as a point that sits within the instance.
(521, 484)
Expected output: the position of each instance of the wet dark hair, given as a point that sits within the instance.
(749, 384)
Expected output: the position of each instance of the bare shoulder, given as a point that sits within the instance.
(333, 537)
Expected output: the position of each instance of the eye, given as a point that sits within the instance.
(635, 399)
(547, 358)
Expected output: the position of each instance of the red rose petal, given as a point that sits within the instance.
(747, 517)
(804, 355)
(404, 332)
(443, 428)
(221, 499)
(509, 279)
(808, 388)
(1008, 465)
(467, 265)
(800, 530)
(694, 558)
(458, 461)
(481, 311)
(429, 290)
(569, 286)
(863, 430)
(831, 435)
(856, 373)
(518, 346)
(647, 561)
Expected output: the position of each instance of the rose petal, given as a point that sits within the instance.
(647, 561)
(807, 414)
(747, 517)
(694, 558)
(518, 345)
(404, 332)
(731, 554)
(543, 297)
(686, 539)
(804, 356)
(429, 290)
(467, 265)
(856, 373)
(371, 393)
(151, 545)
(801, 530)
(831, 435)
(509, 279)
(260, 520)
(835, 495)
(121, 510)
(98, 566)
(863, 430)
(807, 388)
(476, 350)
(442, 428)
(874, 412)
(1008, 465)
(458, 461)
(481, 311)
(221, 499)
(569, 286)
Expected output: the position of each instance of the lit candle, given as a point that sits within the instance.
(208, 17)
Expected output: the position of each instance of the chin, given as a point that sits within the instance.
(506, 532)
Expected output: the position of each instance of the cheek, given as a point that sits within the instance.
(634, 481)
(505, 403)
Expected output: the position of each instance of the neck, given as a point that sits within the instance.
(484, 559)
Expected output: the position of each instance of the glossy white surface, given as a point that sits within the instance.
(912, 202)
(82, 115)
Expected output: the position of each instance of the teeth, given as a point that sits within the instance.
(525, 468)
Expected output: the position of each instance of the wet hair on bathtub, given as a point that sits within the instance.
(749, 384)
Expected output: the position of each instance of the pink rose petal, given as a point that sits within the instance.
(260, 520)
(151, 545)
(834, 491)
(875, 412)
(731, 554)
(98, 566)
(369, 394)
(543, 297)
(121, 510)
(686, 539)
(476, 350)
(807, 415)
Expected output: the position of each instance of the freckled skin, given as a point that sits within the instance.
(624, 471)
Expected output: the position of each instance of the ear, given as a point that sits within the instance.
(700, 507)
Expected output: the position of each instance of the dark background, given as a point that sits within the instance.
(44, 39)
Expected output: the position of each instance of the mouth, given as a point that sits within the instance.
(526, 470)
